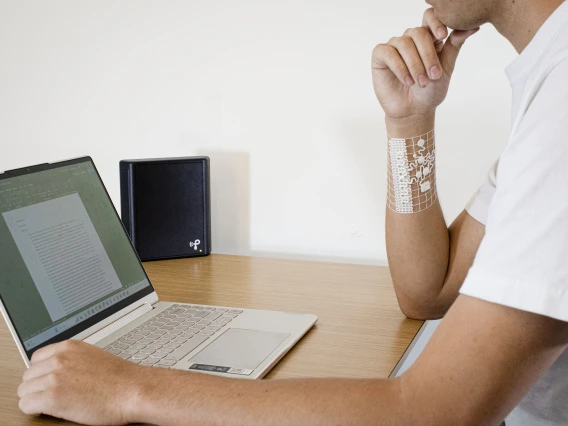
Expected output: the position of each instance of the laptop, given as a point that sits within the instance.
(69, 271)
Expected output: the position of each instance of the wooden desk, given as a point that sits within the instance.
(360, 333)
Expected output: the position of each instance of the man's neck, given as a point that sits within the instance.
(519, 20)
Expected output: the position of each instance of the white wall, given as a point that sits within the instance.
(277, 93)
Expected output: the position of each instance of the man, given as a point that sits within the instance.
(503, 338)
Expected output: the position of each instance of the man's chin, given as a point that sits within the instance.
(455, 24)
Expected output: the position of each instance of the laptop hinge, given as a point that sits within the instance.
(118, 324)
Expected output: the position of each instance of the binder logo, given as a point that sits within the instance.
(195, 244)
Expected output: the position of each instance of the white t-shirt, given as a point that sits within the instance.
(523, 260)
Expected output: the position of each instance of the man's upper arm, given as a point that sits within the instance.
(480, 363)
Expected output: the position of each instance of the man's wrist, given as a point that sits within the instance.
(410, 126)
(144, 391)
(411, 165)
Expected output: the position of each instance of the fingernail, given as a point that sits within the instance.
(409, 81)
(441, 33)
(435, 73)
(422, 80)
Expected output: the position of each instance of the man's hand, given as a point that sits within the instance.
(80, 382)
(411, 74)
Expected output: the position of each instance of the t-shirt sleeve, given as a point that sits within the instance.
(478, 205)
(522, 261)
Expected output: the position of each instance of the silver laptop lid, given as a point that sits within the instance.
(66, 262)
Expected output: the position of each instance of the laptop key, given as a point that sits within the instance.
(114, 351)
(129, 351)
(139, 356)
(150, 361)
(120, 346)
(124, 356)
(214, 315)
(137, 346)
(186, 348)
(158, 355)
(167, 362)
(154, 346)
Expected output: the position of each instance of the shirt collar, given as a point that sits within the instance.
(530, 56)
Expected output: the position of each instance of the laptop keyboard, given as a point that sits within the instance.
(166, 338)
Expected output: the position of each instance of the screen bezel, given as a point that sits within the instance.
(91, 321)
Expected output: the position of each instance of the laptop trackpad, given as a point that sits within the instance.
(240, 348)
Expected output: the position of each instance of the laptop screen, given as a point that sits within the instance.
(65, 260)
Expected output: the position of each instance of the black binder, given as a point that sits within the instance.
(166, 206)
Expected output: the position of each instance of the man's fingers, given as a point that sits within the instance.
(423, 41)
(436, 27)
(409, 53)
(49, 351)
(36, 403)
(458, 38)
(387, 57)
(44, 367)
(38, 384)
(452, 47)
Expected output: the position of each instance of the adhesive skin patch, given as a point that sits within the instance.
(412, 174)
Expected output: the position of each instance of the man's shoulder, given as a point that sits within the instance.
(549, 86)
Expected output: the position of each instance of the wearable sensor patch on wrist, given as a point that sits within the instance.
(412, 177)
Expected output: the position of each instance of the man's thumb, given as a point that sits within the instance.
(451, 49)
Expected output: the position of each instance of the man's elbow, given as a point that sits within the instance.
(421, 310)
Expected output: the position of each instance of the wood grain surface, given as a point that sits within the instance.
(361, 332)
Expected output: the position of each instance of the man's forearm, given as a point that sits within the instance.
(417, 243)
(183, 398)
